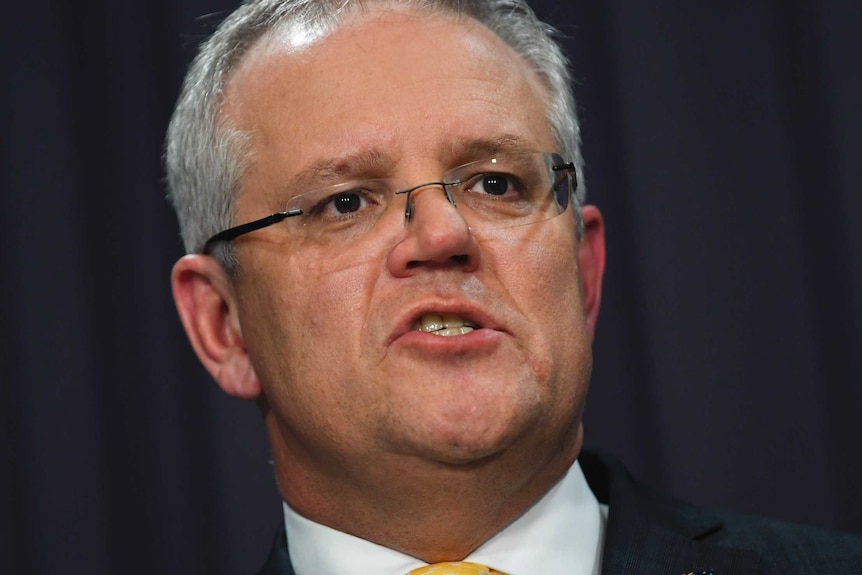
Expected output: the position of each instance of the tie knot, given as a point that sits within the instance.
(456, 568)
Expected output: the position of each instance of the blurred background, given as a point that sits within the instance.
(723, 143)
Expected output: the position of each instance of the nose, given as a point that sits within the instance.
(437, 236)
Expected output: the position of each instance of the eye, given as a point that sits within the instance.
(494, 185)
(344, 205)
(347, 203)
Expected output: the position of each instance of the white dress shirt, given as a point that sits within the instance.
(562, 534)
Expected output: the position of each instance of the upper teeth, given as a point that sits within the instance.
(443, 325)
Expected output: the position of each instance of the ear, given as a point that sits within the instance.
(591, 258)
(207, 305)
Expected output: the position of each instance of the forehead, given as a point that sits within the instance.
(392, 82)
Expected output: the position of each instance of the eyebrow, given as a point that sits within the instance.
(477, 149)
(373, 163)
(331, 171)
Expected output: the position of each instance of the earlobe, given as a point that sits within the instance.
(591, 259)
(207, 307)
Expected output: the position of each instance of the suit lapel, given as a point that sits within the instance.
(635, 546)
(649, 534)
(278, 562)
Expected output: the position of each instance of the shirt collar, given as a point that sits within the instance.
(562, 533)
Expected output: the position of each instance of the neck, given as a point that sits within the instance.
(430, 510)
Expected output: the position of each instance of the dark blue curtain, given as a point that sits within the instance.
(723, 143)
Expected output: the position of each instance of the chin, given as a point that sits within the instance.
(462, 455)
(468, 440)
(466, 418)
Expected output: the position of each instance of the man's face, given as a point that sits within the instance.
(329, 331)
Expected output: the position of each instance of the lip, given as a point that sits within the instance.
(469, 312)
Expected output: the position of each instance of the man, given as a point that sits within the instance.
(389, 251)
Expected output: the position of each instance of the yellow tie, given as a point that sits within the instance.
(456, 568)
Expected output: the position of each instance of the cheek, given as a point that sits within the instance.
(300, 325)
(539, 274)
(289, 308)
(542, 272)
(558, 280)
(329, 296)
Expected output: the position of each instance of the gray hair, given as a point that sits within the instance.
(205, 156)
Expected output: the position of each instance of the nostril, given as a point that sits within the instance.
(459, 260)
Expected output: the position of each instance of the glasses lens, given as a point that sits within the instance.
(511, 190)
(505, 191)
(341, 213)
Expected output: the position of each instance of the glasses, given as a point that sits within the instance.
(505, 191)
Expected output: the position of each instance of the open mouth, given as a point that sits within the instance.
(444, 325)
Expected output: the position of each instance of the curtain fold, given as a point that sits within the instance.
(722, 143)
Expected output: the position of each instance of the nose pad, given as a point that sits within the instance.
(437, 236)
(409, 206)
(431, 214)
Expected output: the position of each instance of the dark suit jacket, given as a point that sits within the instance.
(651, 534)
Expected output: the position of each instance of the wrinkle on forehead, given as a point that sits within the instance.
(377, 162)
(302, 41)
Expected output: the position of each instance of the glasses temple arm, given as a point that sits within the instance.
(233, 233)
